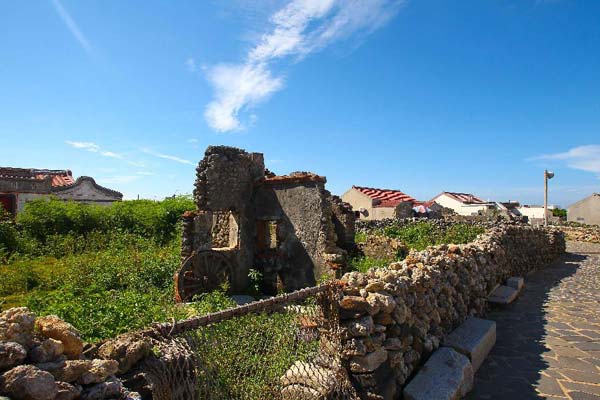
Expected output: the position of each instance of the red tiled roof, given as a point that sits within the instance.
(466, 198)
(59, 177)
(386, 197)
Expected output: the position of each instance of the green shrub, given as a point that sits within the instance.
(360, 237)
(47, 217)
(243, 357)
(363, 264)
(104, 314)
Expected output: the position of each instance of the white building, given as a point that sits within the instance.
(20, 185)
(463, 203)
(534, 213)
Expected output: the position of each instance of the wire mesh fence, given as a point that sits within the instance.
(287, 347)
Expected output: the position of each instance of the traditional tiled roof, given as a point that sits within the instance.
(386, 197)
(80, 180)
(465, 198)
(58, 177)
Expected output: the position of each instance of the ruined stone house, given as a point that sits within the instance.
(288, 228)
(20, 185)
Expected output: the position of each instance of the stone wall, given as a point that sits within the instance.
(44, 358)
(589, 234)
(393, 318)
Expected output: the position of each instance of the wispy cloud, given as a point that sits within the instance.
(168, 157)
(300, 28)
(119, 179)
(584, 158)
(190, 63)
(93, 148)
(72, 26)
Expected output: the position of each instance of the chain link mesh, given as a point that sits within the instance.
(288, 350)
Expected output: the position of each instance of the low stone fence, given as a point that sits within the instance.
(366, 226)
(393, 318)
(589, 234)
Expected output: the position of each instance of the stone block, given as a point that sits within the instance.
(515, 282)
(474, 338)
(503, 295)
(447, 375)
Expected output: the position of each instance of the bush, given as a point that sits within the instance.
(46, 217)
(422, 234)
(103, 314)
(363, 264)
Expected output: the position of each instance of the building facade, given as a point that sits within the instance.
(375, 204)
(20, 185)
(585, 211)
(463, 203)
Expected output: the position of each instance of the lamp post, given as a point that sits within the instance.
(547, 175)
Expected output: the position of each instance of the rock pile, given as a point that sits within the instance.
(393, 318)
(42, 359)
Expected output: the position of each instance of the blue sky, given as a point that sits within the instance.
(423, 96)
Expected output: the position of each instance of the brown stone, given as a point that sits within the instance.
(53, 327)
(26, 382)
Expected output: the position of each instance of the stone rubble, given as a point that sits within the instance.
(393, 318)
(42, 359)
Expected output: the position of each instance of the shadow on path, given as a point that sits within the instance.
(530, 332)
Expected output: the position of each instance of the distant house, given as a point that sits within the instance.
(463, 203)
(20, 185)
(534, 213)
(371, 203)
(585, 211)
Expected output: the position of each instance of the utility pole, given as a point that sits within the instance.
(547, 175)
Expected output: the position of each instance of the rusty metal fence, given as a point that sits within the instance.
(286, 347)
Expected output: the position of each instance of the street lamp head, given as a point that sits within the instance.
(549, 174)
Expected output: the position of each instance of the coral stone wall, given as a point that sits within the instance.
(393, 318)
(590, 234)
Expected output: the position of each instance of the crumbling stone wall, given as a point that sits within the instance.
(393, 318)
(589, 234)
(288, 227)
(344, 221)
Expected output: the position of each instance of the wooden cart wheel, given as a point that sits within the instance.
(202, 272)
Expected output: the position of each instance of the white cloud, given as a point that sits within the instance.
(89, 146)
(136, 163)
(119, 179)
(168, 157)
(93, 148)
(190, 63)
(72, 26)
(111, 154)
(297, 30)
(584, 158)
(192, 140)
(237, 86)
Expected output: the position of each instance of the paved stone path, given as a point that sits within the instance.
(548, 340)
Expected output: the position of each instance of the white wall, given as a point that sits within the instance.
(534, 212)
(461, 209)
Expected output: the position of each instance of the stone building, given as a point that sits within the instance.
(288, 228)
(19, 185)
(374, 204)
(585, 211)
